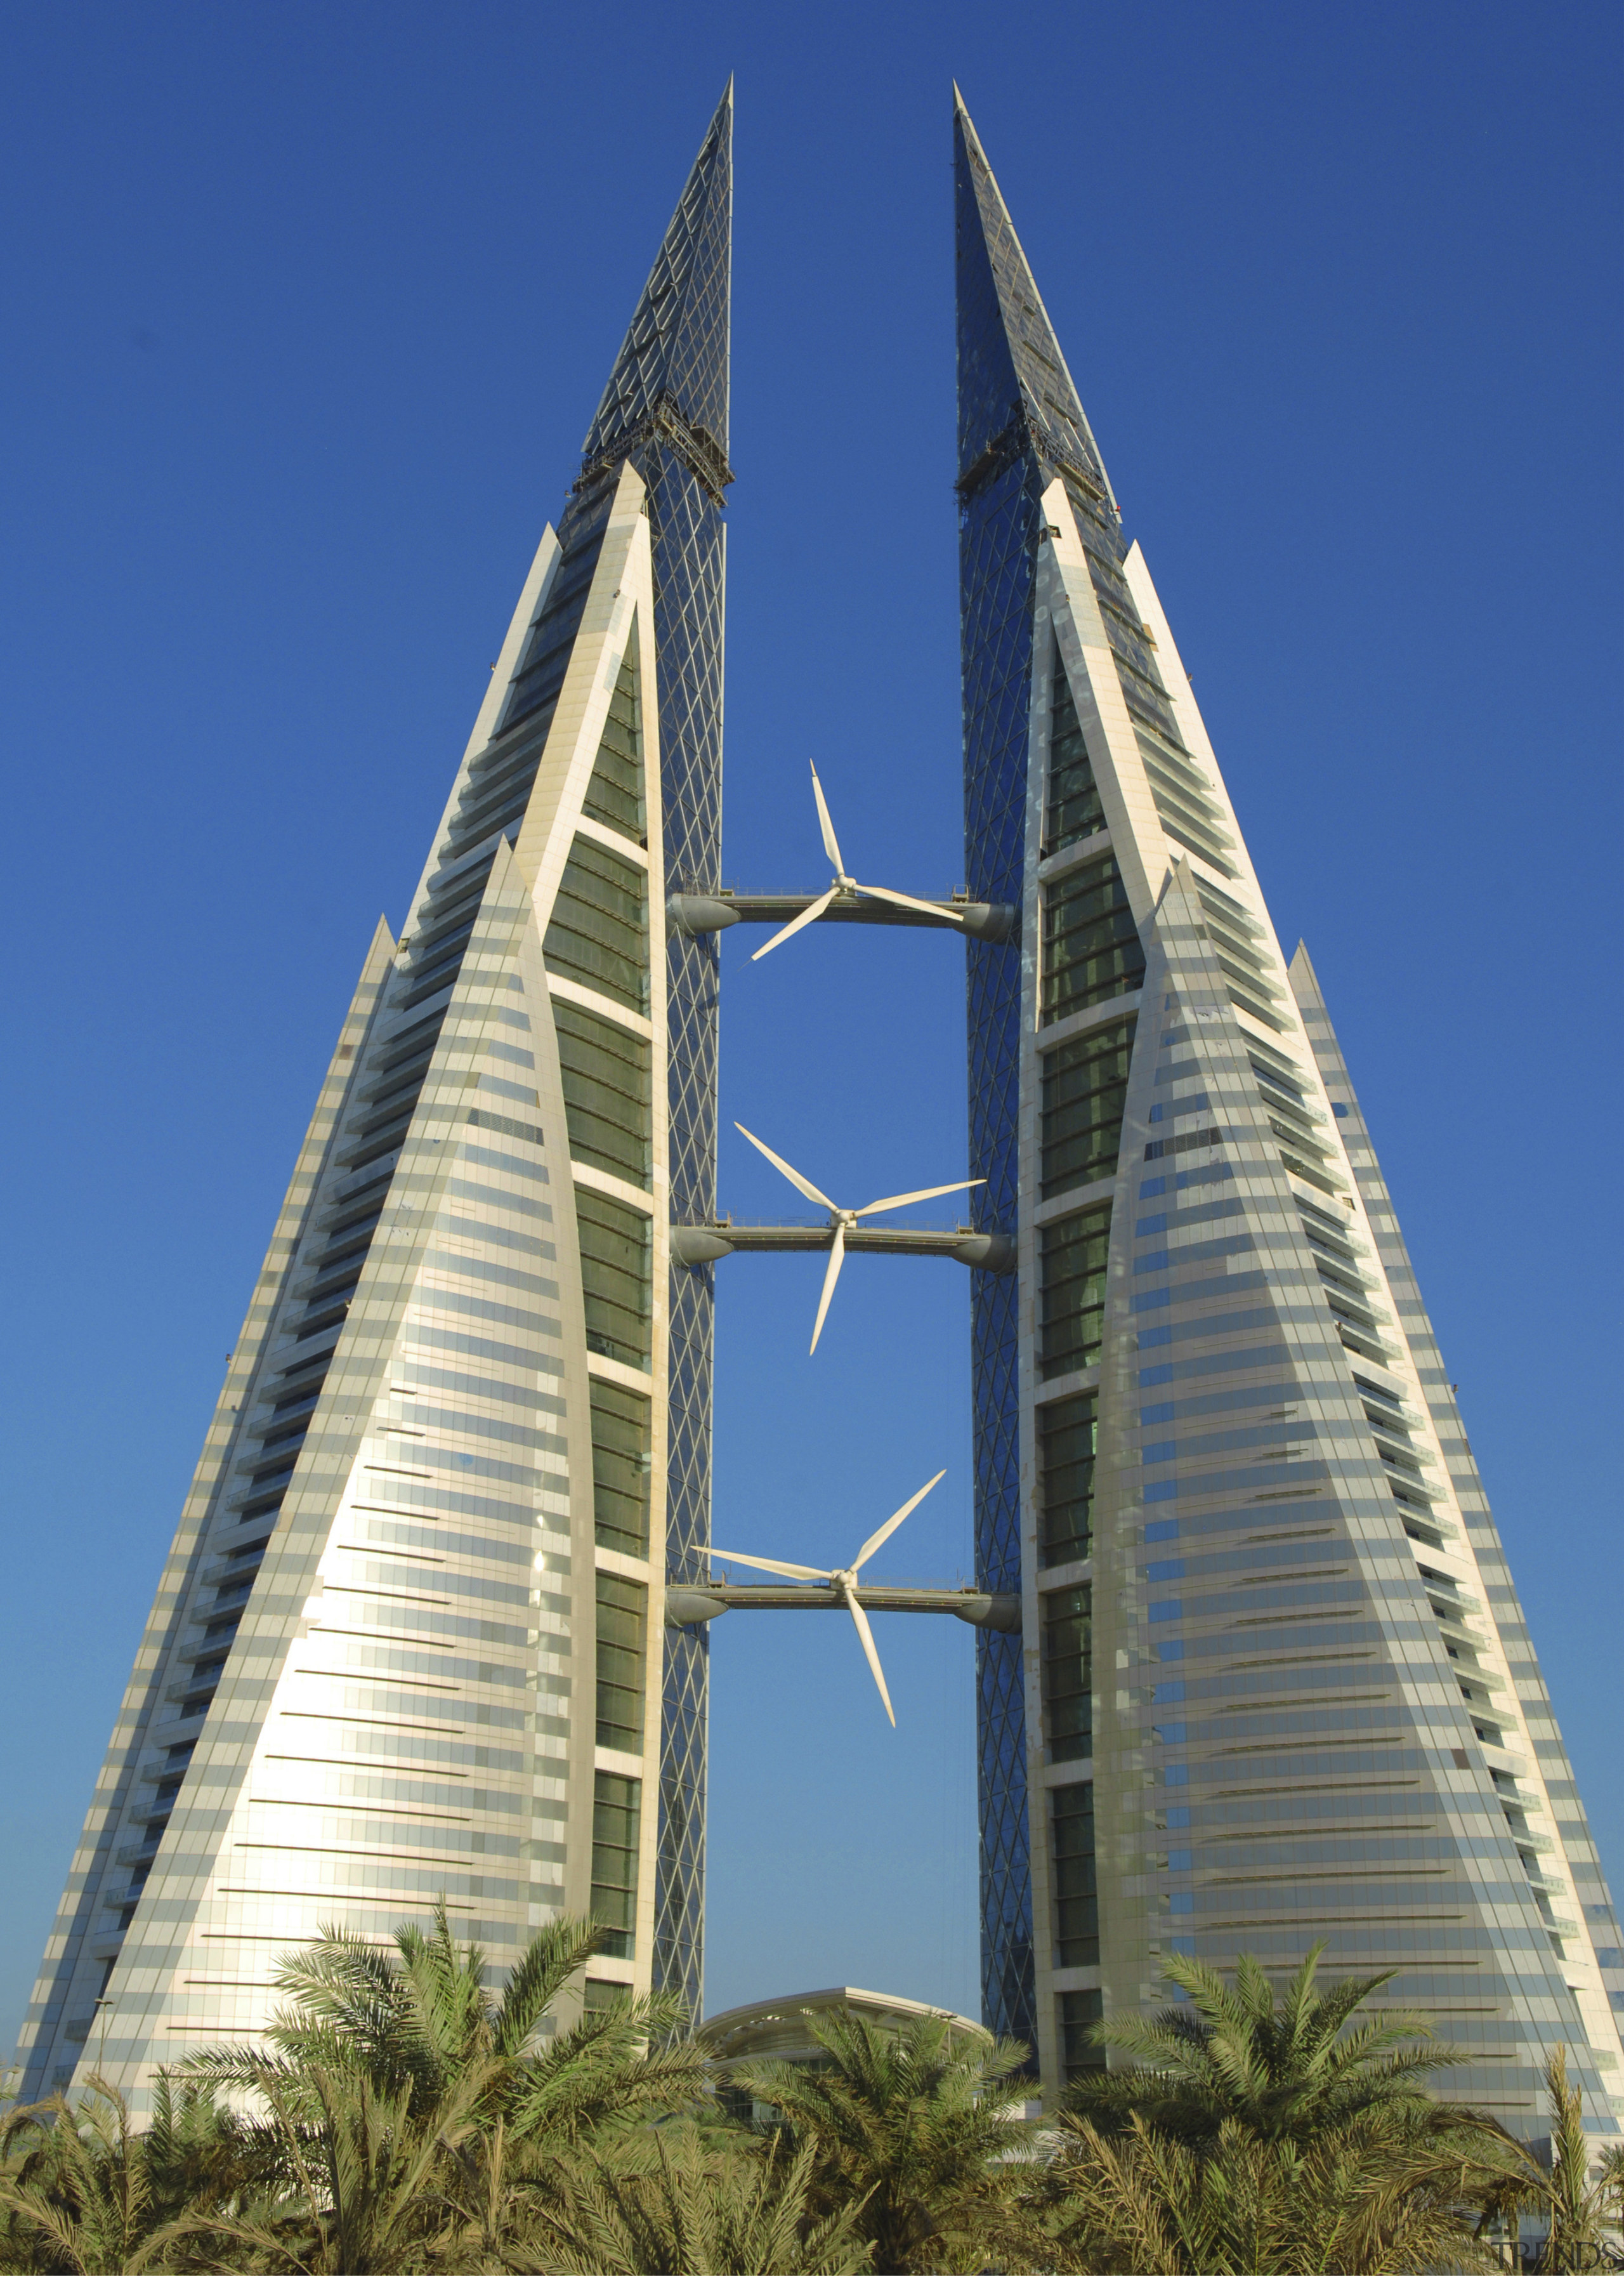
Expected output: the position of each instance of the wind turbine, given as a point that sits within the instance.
(845, 1220)
(844, 1581)
(845, 885)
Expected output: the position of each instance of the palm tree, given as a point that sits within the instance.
(1366, 2197)
(421, 2020)
(403, 2104)
(358, 2170)
(915, 2127)
(1611, 2173)
(1283, 2072)
(690, 2206)
(78, 2186)
(1579, 2204)
(192, 2147)
(82, 2187)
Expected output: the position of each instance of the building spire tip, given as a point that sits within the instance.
(676, 346)
(1015, 324)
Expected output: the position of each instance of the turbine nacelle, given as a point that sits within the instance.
(843, 1580)
(843, 1221)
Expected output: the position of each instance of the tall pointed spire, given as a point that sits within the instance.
(665, 410)
(674, 357)
(471, 1264)
(1271, 1647)
(1011, 375)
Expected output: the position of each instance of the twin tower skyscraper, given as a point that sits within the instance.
(1271, 1685)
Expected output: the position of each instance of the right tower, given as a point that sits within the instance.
(1274, 1685)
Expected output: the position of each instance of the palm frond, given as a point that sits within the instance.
(543, 1971)
(1284, 2066)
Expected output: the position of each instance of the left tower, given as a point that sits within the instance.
(409, 1638)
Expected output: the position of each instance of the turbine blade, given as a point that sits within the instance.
(832, 844)
(801, 1184)
(891, 1523)
(770, 1565)
(865, 1636)
(925, 1194)
(907, 901)
(807, 916)
(836, 1256)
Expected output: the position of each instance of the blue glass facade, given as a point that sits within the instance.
(1019, 426)
(665, 409)
(999, 492)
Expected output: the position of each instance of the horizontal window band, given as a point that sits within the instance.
(1189, 1140)
(260, 1504)
(1083, 1018)
(1259, 1012)
(375, 1151)
(322, 1293)
(1300, 1168)
(529, 1132)
(432, 987)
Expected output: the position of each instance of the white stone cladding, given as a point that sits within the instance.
(1311, 1237)
(404, 1706)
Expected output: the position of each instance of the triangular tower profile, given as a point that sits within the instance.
(1274, 1685)
(409, 1640)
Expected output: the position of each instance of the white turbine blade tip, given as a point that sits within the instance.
(801, 1185)
(832, 1273)
(925, 1194)
(865, 1636)
(877, 1540)
(770, 1564)
(809, 915)
(832, 844)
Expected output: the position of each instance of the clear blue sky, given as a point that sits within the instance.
(307, 311)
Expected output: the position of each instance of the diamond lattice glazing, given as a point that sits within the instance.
(1020, 424)
(997, 541)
